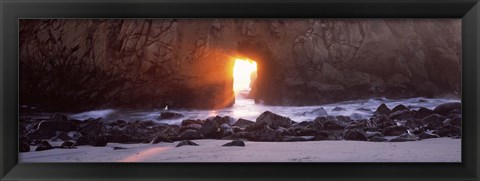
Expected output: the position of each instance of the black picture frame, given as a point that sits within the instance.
(11, 11)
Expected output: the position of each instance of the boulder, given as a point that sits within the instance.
(445, 108)
(315, 112)
(335, 109)
(427, 136)
(400, 107)
(274, 120)
(298, 138)
(243, 123)
(370, 134)
(378, 139)
(192, 121)
(401, 115)
(161, 138)
(394, 130)
(333, 124)
(170, 115)
(68, 145)
(382, 110)
(186, 143)
(44, 145)
(190, 135)
(210, 129)
(92, 127)
(119, 148)
(235, 143)
(404, 137)
(48, 128)
(422, 112)
(220, 120)
(355, 134)
(433, 121)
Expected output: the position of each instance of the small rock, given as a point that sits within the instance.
(378, 139)
(235, 143)
(44, 145)
(119, 148)
(400, 107)
(338, 109)
(422, 113)
(186, 142)
(298, 138)
(68, 145)
(170, 115)
(427, 136)
(404, 137)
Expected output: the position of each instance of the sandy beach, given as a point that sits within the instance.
(429, 150)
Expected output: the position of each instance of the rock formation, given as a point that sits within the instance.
(87, 64)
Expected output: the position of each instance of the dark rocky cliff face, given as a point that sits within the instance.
(86, 64)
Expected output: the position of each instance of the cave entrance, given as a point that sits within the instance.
(244, 75)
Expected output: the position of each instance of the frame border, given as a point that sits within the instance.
(12, 10)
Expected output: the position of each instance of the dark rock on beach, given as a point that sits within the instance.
(355, 134)
(274, 120)
(235, 143)
(44, 145)
(404, 137)
(444, 109)
(394, 130)
(243, 123)
(382, 110)
(186, 143)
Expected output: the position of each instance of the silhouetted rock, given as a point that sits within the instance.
(338, 109)
(170, 115)
(243, 123)
(378, 139)
(382, 110)
(298, 138)
(355, 134)
(426, 136)
(210, 129)
(68, 145)
(192, 121)
(190, 135)
(315, 112)
(119, 148)
(235, 143)
(186, 143)
(445, 108)
(394, 130)
(400, 107)
(422, 113)
(404, 137)
(44, 145)
(401, 115)
(433, 121)
(274, 120)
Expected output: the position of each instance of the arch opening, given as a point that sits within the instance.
(244, 75)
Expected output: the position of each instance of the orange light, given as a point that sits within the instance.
(242, 72)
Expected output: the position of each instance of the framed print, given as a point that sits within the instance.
(274, 90)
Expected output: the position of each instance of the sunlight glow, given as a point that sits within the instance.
(243, 70)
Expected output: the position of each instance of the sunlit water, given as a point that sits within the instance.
(248, 109)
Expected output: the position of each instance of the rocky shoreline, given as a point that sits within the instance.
(398, 124)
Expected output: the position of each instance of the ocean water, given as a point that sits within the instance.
(247, 109)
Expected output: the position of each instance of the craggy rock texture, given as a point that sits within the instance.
(84, 64)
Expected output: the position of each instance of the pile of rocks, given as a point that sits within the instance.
(397, 124)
